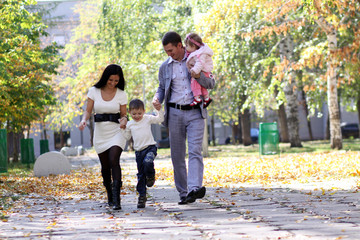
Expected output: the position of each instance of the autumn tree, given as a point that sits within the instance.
(339, 20)
(25, 87)
(237, 60)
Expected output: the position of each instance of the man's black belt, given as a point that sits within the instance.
(107, 117)
(184, 107)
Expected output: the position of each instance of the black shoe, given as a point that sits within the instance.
(195, 194)
(207, 103)
(116, 194)
(150, 181)
(200, 193)
(182, 201)
(141, 202)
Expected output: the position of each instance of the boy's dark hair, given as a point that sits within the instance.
(171, 37)
(112, 69)
(136, 104)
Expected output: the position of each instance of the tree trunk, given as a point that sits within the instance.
(290, 90)
(61, 138)
(307, 115)
(213, 129)
(284, 132)
(234, 132)
(44, 134)
(205, 144)
(8, 141)
(28, 131)
(358, 111)
(245, 127)
(239, 131)
(327, 133)
(15, 147)
(334, 113)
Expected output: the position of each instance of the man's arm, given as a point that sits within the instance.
(206, 82)
(160, 92)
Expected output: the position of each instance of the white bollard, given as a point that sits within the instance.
(51, 163)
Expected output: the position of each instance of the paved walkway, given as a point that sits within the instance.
(283, 212)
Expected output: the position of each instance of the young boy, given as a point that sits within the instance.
(139, 128)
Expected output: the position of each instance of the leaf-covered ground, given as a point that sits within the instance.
(219, 172)
(80, 184)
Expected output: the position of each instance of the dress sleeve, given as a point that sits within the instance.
(91, 93)
(123, 98)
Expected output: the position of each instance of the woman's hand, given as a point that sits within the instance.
(123, 122)
(82, 125)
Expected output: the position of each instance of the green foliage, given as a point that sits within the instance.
(244, 36)
(25, 90)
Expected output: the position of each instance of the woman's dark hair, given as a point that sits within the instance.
(112, 69)
(136, 104)
(171, 37)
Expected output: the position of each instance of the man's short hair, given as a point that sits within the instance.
(171, 37)
(136, 104)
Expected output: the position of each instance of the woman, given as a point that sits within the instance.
(108, 100)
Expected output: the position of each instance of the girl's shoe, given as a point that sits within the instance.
(207, 102)
(195, 102)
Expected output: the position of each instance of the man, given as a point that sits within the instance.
(184, 121)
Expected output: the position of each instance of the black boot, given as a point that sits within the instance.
(116, 194)
(108, 187)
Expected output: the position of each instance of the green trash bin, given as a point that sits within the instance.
(44, 146)
(3, 151)
(268, 139)
(27, 150)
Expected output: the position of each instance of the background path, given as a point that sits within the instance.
(282, 212)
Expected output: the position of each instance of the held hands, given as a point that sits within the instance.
(156, 104)
(82, 125)
(123, 122)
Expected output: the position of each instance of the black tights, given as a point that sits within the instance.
(110, 164)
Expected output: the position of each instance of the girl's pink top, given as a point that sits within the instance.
(200, 60)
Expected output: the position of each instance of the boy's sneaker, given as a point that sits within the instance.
(150, 181)
(141, 202)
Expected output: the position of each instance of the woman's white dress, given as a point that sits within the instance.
(107, 134)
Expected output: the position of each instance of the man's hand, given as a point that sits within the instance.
(194, 75)
(156, 103)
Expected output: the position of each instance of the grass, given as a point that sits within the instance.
(237, 165)
(318, 146)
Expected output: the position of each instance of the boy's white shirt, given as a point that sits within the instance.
(141, 130)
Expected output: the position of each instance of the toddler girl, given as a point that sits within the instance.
(199, 59)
